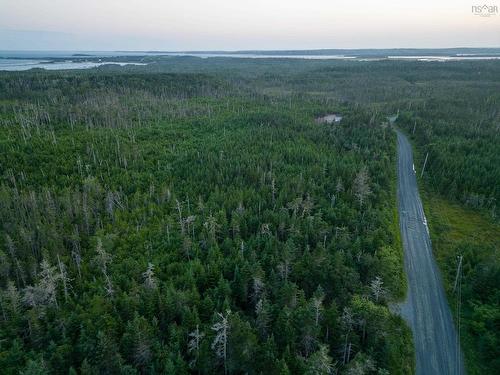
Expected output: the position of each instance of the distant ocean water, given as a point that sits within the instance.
(66, 54)
(64, 60)
(26, 64)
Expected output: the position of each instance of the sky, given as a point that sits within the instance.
(181, 25)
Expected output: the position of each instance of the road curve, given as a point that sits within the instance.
(425, 309)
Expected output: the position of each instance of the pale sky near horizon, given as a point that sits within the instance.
(243, 24)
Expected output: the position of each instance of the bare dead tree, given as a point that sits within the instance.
(195, 338)
(222, 330)
(361, 185)
(284, 269)
(150, 278)
(320, 363)
(44, 292)
(63, 276)
(347, 321)
(257, 288)
(317, 304)
(103, 259)
(377, 288)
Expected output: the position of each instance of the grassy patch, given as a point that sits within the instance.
(458, 231)
(454, 223)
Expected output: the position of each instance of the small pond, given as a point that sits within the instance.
(332, 118)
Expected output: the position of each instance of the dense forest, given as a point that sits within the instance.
(175, 223)
(191, 216)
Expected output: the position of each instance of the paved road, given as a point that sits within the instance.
(425, 309)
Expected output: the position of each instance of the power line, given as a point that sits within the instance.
(457, 287)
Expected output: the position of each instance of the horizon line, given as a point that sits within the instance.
(246, 50)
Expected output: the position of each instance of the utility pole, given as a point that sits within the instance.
(459, 269)
(425, 163)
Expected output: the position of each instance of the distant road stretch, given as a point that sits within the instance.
(425, 309)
